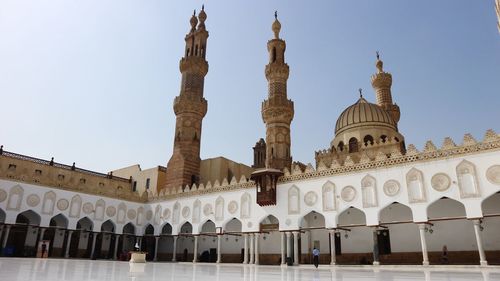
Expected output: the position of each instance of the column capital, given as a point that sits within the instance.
(295, 232)
(422, 225)
(476, 221)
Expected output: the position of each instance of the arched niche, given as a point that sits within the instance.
(176, 213)
(166, 229)
(28, 217)
(446, 208)
(49, 202)
(157, 216)
(352, 216)
(293, 200)
(467, 180)
(196, 211)
(369, 192)
(108, 226)
(16, 194)
(219, 209)
(2, 216)
(129, 228)
(140, 216)
(234, 225)
(246, 203)
(415, 185)
(85, 224)
(208, 227)
(75, 206)
(100, 205)
(491, 204)
(122, 211)
(269, 223)
(59, 221)
(395, 212)
(328, 196)
(149, 230)
(312, 219)
(186, 228)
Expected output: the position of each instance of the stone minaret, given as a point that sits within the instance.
(497, 8)
(277, 109)
(381, 83)
(190, 107)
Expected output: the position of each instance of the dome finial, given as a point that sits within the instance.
(379, 64)
(360, 93)
(202, 16)
(193, 21)
(276, 26)
(275, 15)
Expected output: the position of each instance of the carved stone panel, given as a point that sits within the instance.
(310, 198)
(131, 214)
(16, 195)
(348, 193)
(232, 207)
(186, 212)
(208, 209)
(49, 202)
(416, 186)
(149, 215)
(467, 180)
(293, 200)
(329, 200)
(391, 188)
(3, 195)
(166, 214)
(440, 182)
(88, 208)
(62, 204)
(492, 174)
(110, 211)
(32, 200)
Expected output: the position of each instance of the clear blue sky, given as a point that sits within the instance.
(93, 81)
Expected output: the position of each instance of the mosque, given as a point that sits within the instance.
(369, 199)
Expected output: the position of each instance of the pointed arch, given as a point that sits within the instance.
(369, 192)
(129, 228)
(269, 223)
(108, 226)
(395, 212)
(293, 200)
(85, 224)
(28, 217)
(186, 228)
(416, 186)
(166, 229)
(2, 216)
(219, 209)
(328, 195)
(75, 206)
(49, 202)
(122, 211)
(233, 225)
(100, 206)
(446, 207)
(208, 227)
(491, 204)
(16, 195)
(59, 221)
(467, 180)
(352, 216)
(196, 211)
(312, 219)
(245, 210)
(149, 230)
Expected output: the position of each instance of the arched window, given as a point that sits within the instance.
(368, 140)
(353, 145)
(341, 146)
(273, 58)
(187, 52)
(383, 138)
(196, 50)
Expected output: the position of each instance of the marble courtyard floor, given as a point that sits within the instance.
(26, 269)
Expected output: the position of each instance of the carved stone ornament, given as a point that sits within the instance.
(131, 214)
(348, 193)
(33, 200)
(492, 174)
(311, 198)
(3, 195)
(110, 211)
(166, 214)
(62, 204)
(208, 209)
(232, 207)
(391, 187)
(149, 215)
(440, 182)
(186, 212)
(88, 208)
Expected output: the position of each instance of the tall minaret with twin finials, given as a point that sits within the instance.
(190, 107)
(277, 109)
(381, 83)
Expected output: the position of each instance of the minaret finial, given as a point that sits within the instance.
(194, 12)
(276, 26)
(360, 93)
(378, 55)
(275, 15)
(203, 7)
(379, 64)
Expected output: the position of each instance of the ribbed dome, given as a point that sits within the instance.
(363, 113)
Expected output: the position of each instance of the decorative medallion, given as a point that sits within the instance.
(149, 215)
(62, 204)
(131, 214)
(310, 198)
(3, 195)
(249, 224)
(492, 174)
(288, 222)
(232, 207)
(208, 209)
(348, 193)
(88, 208)
(186, 212)
(440, 182)
(391, 187)
(110, 211)
(33, 200)
(166, 214)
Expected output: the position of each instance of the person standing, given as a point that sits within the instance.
(316, 257)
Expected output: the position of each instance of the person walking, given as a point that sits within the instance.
(316, 257)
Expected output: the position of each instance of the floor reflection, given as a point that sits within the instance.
(53, 269)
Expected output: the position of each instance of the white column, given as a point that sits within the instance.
(157, 239)
(295, 248)
(42, 232)
(256, 236)
(283, 247)
(479, 240)
(117, 239)
(68, 243)
(219, 254)
(6, 237)
(195, 251)
(288, 245)
(333, 259)
(245, 249)
(94, 236)
(252, 251)
(174, 250)
(421, 228)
